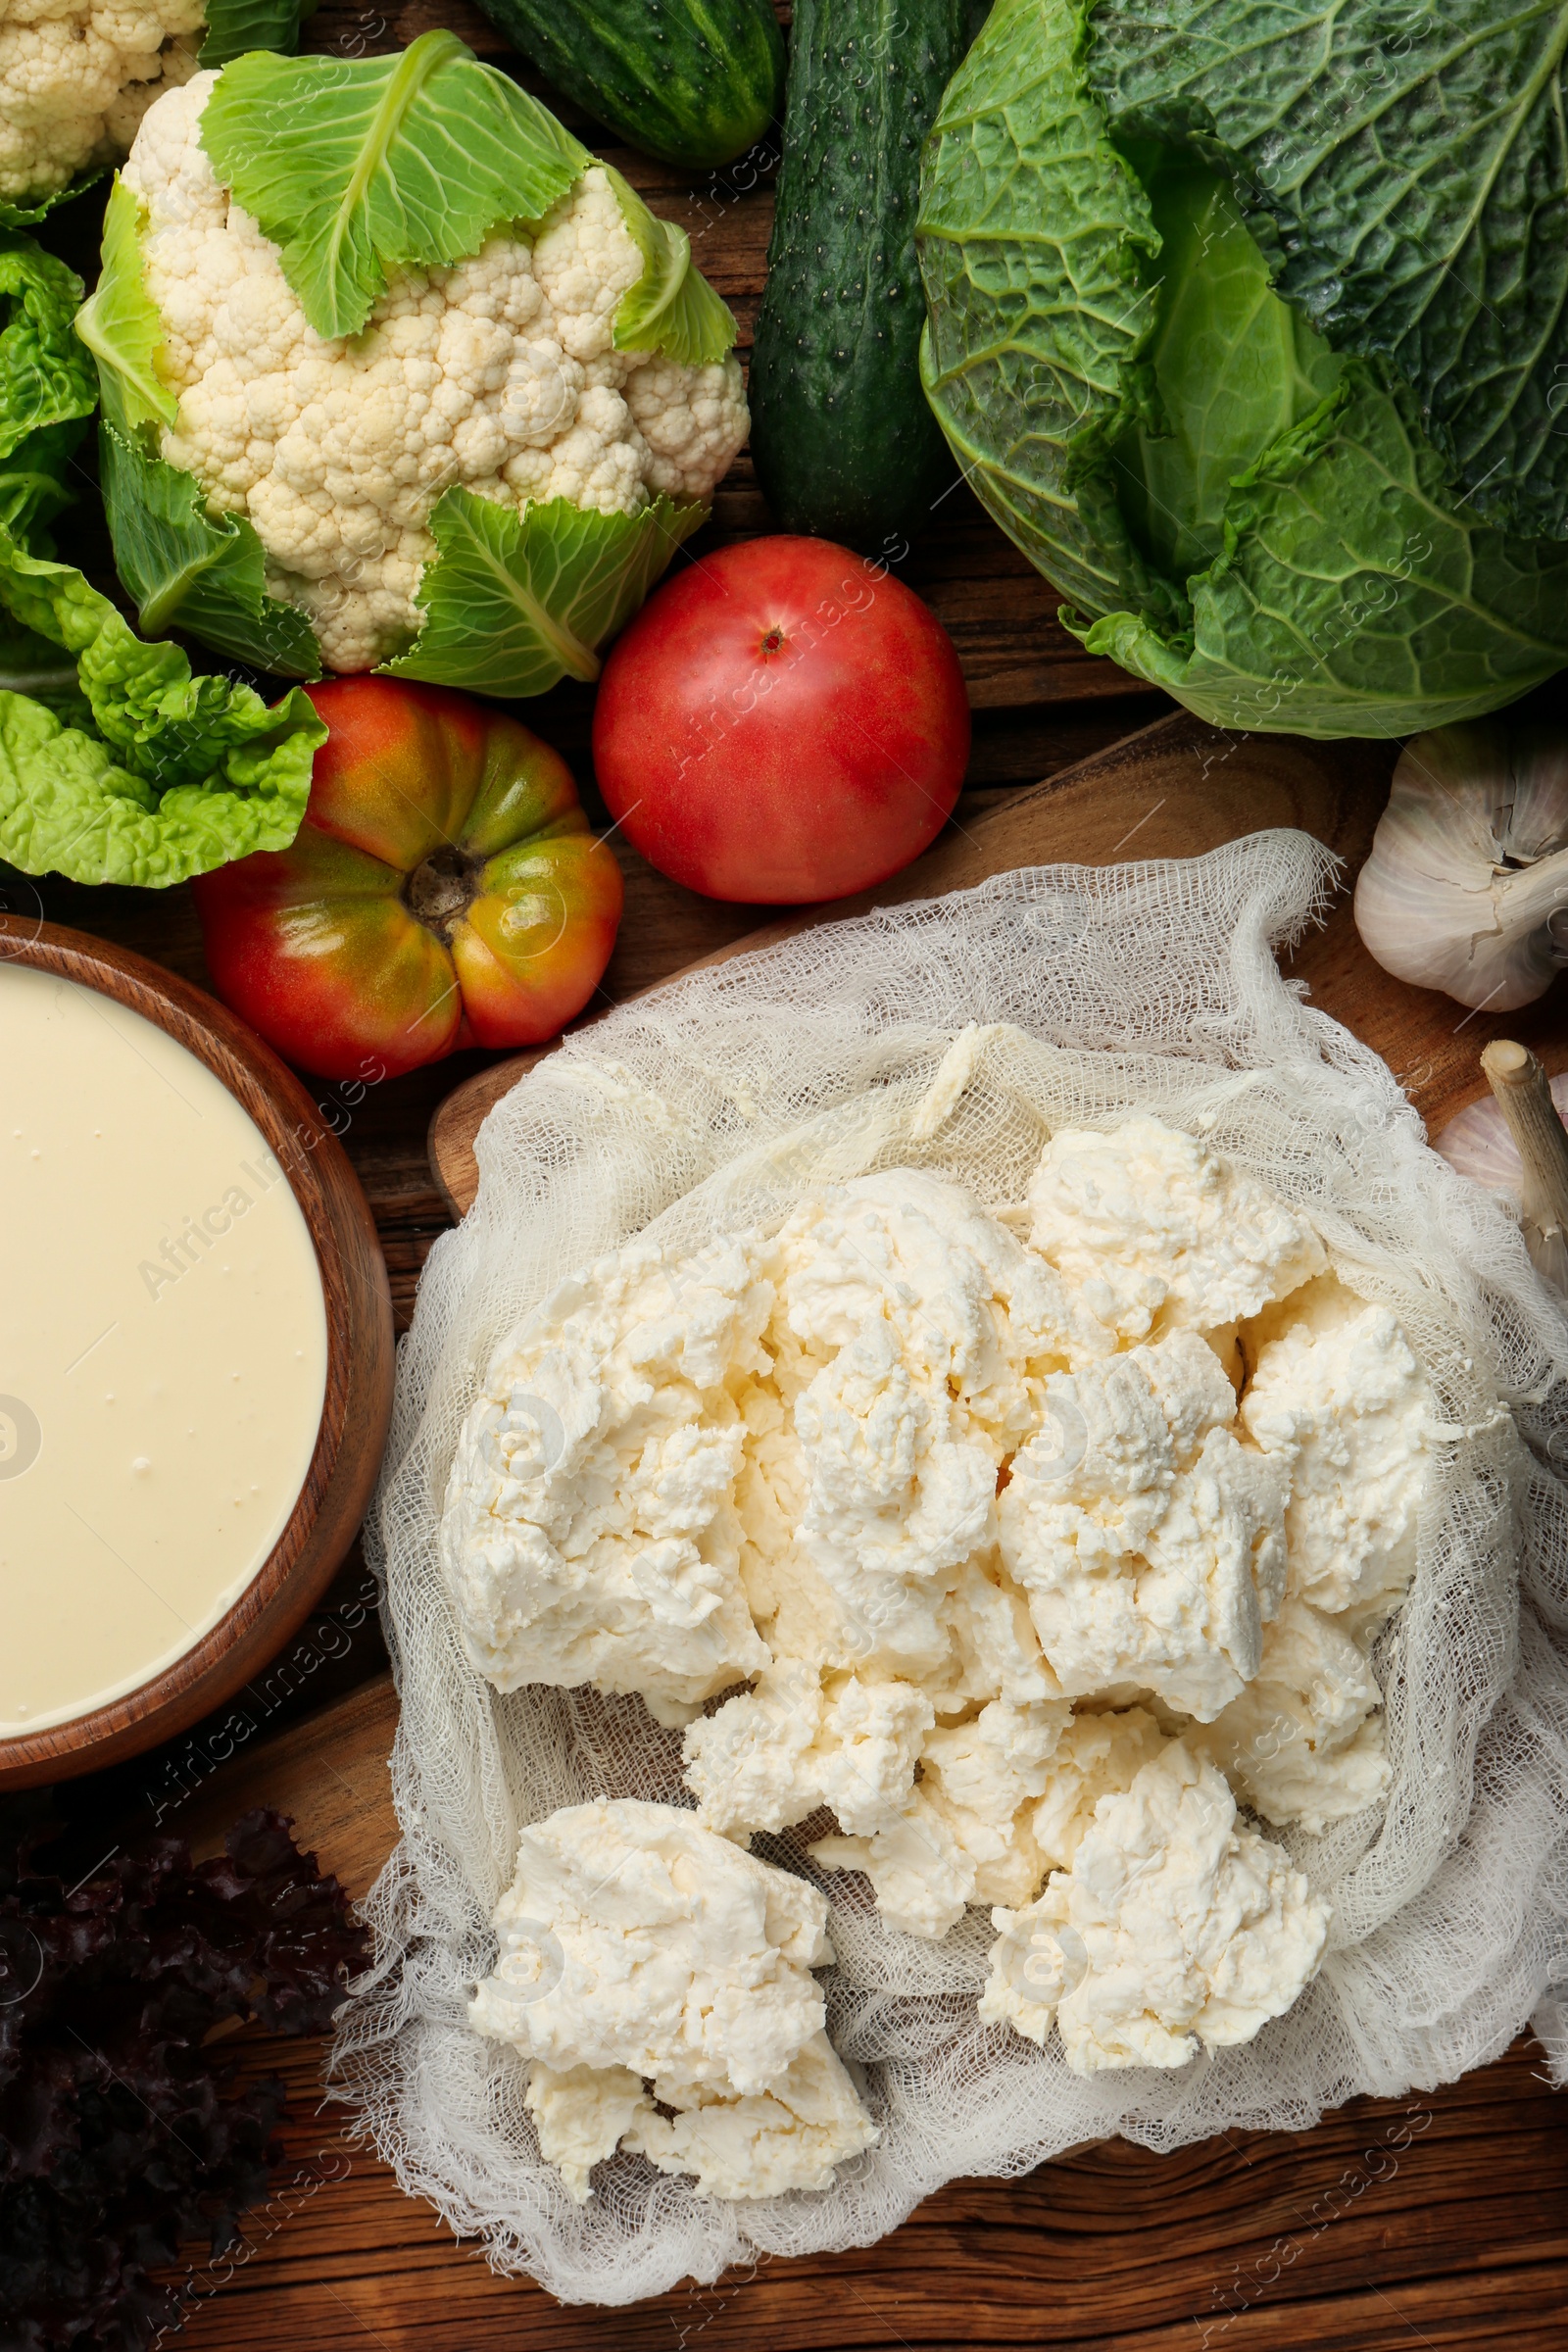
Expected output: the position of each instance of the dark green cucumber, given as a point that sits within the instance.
(844, 445)
(695, 83)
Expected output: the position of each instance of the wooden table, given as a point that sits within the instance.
(1438, 2221)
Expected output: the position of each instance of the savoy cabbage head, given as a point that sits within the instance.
(1248, 322)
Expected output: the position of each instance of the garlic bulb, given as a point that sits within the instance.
(1467, 887)
(1513, 1141)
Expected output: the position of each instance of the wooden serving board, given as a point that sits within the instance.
(1438, 2220)
(1174, 789)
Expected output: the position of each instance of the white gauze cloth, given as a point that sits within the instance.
(714, 1103)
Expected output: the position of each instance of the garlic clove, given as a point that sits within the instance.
(1476, 1143)
(1512, 1143)
(1466, 889)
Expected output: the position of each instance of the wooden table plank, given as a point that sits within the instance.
(1438, 2220)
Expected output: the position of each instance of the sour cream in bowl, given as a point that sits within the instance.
(195, 1353)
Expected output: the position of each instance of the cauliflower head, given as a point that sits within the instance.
(498, 374)
(77, 77)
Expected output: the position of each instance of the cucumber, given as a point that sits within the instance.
(695, 83)
(844, 443)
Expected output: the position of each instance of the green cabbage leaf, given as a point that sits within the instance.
(1404, 165)
(359, 167)
(192, 569)
(116, 764)
(1243, 502)
(234, 27)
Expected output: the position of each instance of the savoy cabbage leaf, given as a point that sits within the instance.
(1239, 511)
(1407, 163)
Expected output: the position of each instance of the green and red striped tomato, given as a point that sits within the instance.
(444, 890)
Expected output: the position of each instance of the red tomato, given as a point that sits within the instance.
(781, 723)
(444, 890)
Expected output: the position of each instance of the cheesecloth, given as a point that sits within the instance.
(710, 1104)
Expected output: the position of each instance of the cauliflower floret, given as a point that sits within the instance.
(585, 261)
(692, 420)
(498, 374)
(77, 79)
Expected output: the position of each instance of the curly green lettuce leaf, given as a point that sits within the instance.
(29, 215)
(115, 764)
(518, 599)
(47, 388)
(359, 167)
(120, 325)
(46, 378)
(176, 775)
(1404, 165)
(29, 664)
(673, 307)
(190, 570)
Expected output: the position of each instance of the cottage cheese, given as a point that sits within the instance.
(1036, 1538)
(1153, 1231)
(638, 1947)
(1337, 1399)
(1174, 1928)
(590, 1534)
(1305, 1741)
(1154, 1557)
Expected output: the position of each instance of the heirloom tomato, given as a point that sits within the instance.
(443, 890)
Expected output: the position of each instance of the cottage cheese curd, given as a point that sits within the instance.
(639, 1949)
(1174, 1928)
(1040, 1536)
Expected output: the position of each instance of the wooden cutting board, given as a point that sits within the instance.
(1176, 789)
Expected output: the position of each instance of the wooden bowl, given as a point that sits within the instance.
(358, 1363)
